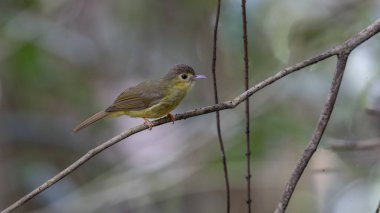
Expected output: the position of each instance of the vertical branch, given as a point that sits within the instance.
(217, 112)
(247, 126)
(317, 135)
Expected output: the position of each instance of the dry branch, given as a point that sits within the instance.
(342, 51)
(247, 108)
(356, 145)
(216, 99)
(317, 135)
(346, 47)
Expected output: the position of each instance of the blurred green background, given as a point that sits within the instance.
(61, 61)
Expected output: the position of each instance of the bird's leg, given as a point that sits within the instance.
(148, 123)
(172, 118)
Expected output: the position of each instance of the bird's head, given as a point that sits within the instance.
(182, 76)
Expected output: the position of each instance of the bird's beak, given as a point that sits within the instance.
(199, 76)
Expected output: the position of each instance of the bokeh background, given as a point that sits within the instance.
(61, 61)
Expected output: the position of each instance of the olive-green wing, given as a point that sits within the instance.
(139, 97)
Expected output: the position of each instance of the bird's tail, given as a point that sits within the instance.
(91, 120)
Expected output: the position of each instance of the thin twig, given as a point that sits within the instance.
(317, 135)
(216, 99)
(378, 208)
(353, 145)
(356, 40)
(247, 116)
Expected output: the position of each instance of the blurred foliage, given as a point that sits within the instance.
(61, 61)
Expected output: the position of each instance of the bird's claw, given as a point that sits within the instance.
(172, 118)
(148, 123)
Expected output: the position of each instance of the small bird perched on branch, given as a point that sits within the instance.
(150, 99)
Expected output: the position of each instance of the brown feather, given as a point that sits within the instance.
(139, 97)
(91, 120)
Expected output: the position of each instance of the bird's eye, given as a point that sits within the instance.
(184, 76)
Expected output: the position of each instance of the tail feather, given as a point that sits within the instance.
(91, 120)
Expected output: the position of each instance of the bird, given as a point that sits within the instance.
(150, 99)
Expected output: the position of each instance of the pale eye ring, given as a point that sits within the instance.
(184, 76)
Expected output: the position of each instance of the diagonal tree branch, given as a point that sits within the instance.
(350, 44)
(216, 99)
(317, 135)
(247, 116)
(342, 51)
